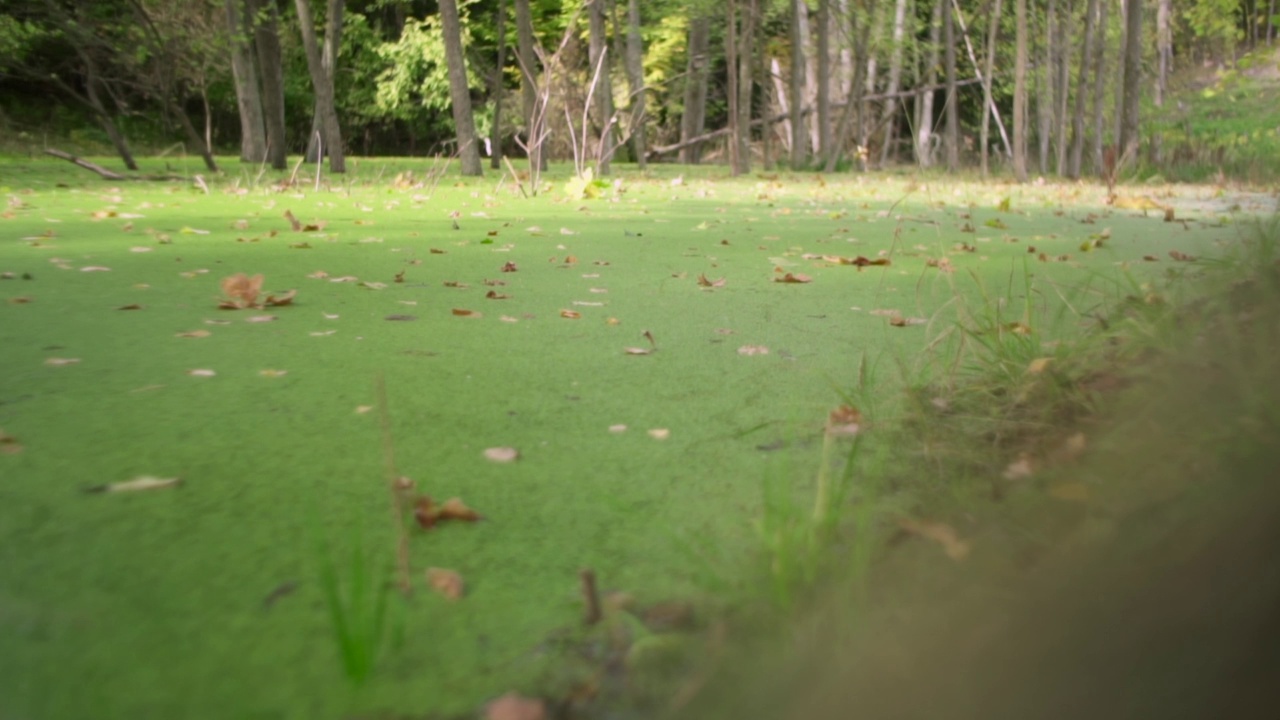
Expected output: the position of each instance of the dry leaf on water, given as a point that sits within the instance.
(753, 350)
(273, 373)
(793, 278)
(145, 482)
(509, 267)
(194, 334)
(132, 306)
(462, 312)
(899, 321)
(501, 454)
(400, 318)
(1181, 256)
(570, 314)
(659, 433)
(514, 706)
(941, 533)
(428, 513)
(201, 372)
(495, 295)
(446, 582)
(637, 351)
(704, 282)
(844, 421)
(261, 318)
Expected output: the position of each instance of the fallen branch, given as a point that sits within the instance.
(108, 174)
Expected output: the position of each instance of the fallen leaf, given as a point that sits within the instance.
(272, 373)
(362, 409)
(899, 321)
(437, 251)
(402, 318)
(194, 334)
(445, 582)
(637, 351)
(941, 533)
(374, 285)
(318, 275)
(261, 318)
(293, 221)
(428, 513)
(753, 350)
(461, 312)
(659, 433)
(508, 319)
(1072, 491)
(509, 267)
(514, 706)
(133, 306)
(501, 454)
(144, 482)
(495, 295)
(22, 300)
(399, 276)
(344, 278)
(844, 421)
(280, 300)
(616, 429)
(241, 289)
(1181, 256)
(704, 282)
(304, 245)
(95, 268)
(454, 284)
(201, 372)
(140, 249)
(455, 509)
(570, 314)
(793, 278)
(329, 316)
(1151, 258)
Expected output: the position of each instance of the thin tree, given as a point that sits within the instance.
(602, 92)
(526, 54)
(459, 92)
(746, 54)
(329, 45)
(952, 130)
(993, 32)
(635, 81)
(1128, 142)
(824, 76)
(693, 122)
(795, 91)
(495, 135)
(1020, 93)
(924, 119)
(1082, 78)
(322, 83)
(244, 75)
(895, 79)
(1099, 86)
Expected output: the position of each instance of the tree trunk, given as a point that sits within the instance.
(322, 82)
(1020, 94)
(1099, 86)
(895, 79)
(795, 91)
(1164, 48)
(693, 122)
(1128, 144)
(993, 32)
(1062, 85)
(953, 100)
(528, 82)
(731, 80)
(635, 77)
(602, 93)
(824, 77)
(1082, 79)
(329, 60)
(271, 73)
(495, 135)
(253, 140)
(746, 54)
(459, 93)
(91, 84)
(1044, 88)
(924, 127)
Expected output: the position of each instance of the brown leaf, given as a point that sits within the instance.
(454, 284)
(514, 706)
(844, 421)
(400, 276)
(1181, 256)
(425, 512)
(462, 312)
(194, 334)
(446, 582)
(270, 373)
(280, 300)
(753, 350)
(941, 533)
(400, 318)
(242, 289)
(704, 282)
(455, 509)
(509, 267)
(495, 283)
(438, 251)
(495, 295)
(293, 221)
(261, 318)
(145, 482)
(793, 278)
(637, 351)
(132, 306)
(23, 300)
(570, 314)
(1151, 258)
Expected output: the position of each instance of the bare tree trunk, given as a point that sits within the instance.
(1099, 86)
(322, 82)
(693, 122)
(271, 73)
(1128, 144)
(603, 92)
(924, 127)
(953, 100)
(329, 60)
(1020, 94)
(459, 92)
(824, 77)
(993, 32)
(795, 91)
(253, 140)
(635, 73)
(1062, 85)
(731, 83)
(495, 132)
(746, 55)
(528, 59)
(91, 86)
(895, 79)
(1082, 78)
(1044, 88)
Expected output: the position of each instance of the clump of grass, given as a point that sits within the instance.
(356, 597)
